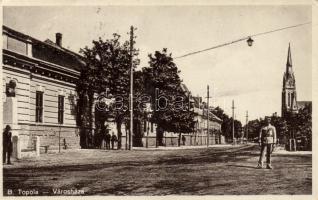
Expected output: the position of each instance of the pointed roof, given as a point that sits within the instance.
(289, 59)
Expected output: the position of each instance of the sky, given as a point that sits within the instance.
(251, 76)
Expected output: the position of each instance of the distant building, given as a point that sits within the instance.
(302, 104)
(289, 94)
(200, 110)
(39, 81)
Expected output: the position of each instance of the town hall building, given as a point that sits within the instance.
(39, 90)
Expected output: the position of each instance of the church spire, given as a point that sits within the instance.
(289, 59)
(289, 95)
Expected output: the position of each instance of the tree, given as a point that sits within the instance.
(108, 68)
(169, 101)
(305, 121)
(84, 105)
(281, 127)
(300, 124)
(254, 128)
(139, 108)
(237, 129)
(227, 124)
(279, 123)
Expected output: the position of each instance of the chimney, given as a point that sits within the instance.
(58, 37)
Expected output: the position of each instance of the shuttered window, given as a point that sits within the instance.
(60, 109)
(39, 107)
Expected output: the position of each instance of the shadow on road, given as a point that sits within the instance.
(243, 166)
(183, 172)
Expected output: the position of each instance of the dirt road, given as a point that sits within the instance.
(213, 171)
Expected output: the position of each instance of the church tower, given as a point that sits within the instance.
(289, 97)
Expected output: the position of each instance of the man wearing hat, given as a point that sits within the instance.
(267, 139)
(7, 145)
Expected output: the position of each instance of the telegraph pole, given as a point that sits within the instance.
(208, 99)
(246, 126)
(233, 120)
(131, 88)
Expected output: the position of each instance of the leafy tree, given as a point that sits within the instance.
(253, 128)
(280, 124)
(139, 108)
(108, 68)
(300, 124)
(305, 121)
(227, 124)
(85, 106)
(163, 85)
(281, 127)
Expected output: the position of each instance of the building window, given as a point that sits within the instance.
(60, 109)
(5, 42)
(39, 107)
(17, 45)
(288, 99)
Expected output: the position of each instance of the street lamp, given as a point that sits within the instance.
(249, 41)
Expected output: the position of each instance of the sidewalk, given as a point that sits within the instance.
(284, 152)
(97, 156)
(159, 148)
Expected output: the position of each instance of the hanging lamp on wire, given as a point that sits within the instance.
(249, 41)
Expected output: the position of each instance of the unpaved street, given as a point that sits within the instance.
(214, 171)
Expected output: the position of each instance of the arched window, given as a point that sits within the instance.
(288, 100)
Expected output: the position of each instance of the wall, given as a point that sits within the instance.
(25, 93)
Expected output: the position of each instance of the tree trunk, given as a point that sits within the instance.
(119, 133)
(90, 117)
(83, 143)
(138, 130)
(159, 133)
(83, 120)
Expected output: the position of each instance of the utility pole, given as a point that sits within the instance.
(246, 126)
(233, 120)
(208, 111)
(131, 88)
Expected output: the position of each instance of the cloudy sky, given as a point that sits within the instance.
(252, 76)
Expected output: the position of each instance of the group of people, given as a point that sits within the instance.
(107, 141)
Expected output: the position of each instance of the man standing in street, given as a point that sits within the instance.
(113, 140)
(267, 139)
(183, 140)
(7, 145)
(108, 137)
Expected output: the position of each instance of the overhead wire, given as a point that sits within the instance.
(241, 39)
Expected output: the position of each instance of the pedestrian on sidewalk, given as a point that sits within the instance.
(267, 140)
(113, 140)
(103, 137)
(108, 137)
(99, 138)
(7, 145)
(183, 140)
